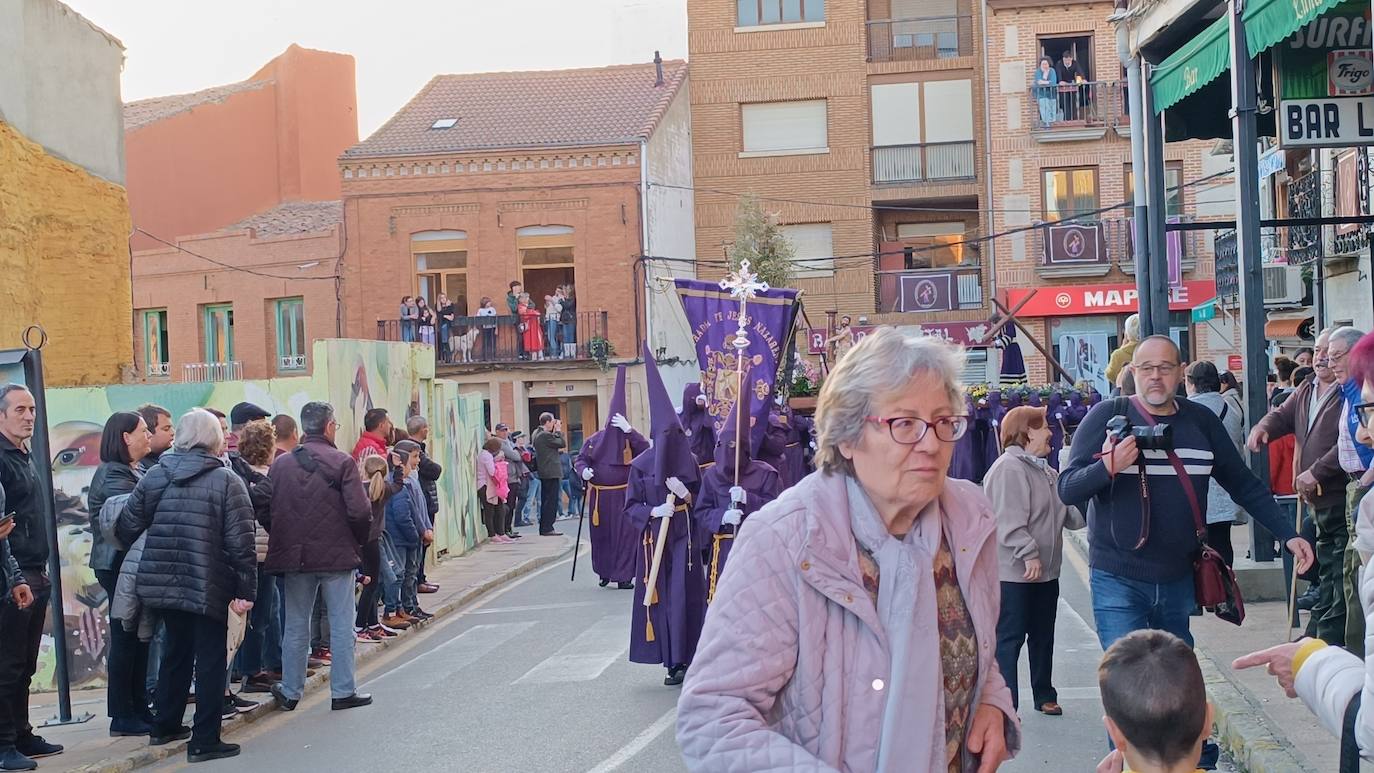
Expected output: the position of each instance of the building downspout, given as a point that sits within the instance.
(645, 244)
(991, 206)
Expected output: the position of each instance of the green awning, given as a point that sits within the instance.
(1268, 22)
(1193, 66)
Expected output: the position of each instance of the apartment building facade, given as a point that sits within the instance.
(860, 125)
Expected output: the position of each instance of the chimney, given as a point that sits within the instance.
(658, 65)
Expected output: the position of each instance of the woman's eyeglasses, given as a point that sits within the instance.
(1365, 413)
(909, 430)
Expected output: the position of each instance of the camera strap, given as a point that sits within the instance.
(1119, 408)
(1184, 479)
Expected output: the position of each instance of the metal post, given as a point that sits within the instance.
(1157, 282)
(1248, 259)
(1135, 87)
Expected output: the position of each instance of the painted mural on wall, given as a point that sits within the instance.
(353, 375)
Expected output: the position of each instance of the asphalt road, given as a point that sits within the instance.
(535, 678)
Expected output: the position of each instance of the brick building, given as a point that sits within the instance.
(235, 190)
(1062, 151)
(860, 124)
(535, 177)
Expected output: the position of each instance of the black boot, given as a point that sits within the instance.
(605, 582)
(625, 585)
(675, 676)
(211, 751)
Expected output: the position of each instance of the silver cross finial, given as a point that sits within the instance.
(743, 283)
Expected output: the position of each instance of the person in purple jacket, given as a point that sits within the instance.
(663, 483)
(604, 463)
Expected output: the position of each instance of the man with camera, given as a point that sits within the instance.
(1141, 514)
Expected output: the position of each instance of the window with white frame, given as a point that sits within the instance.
(754, 13)
(813, 248)
(785, 128)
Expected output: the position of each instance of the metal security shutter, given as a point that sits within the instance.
(772, 127)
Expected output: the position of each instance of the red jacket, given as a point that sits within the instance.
(367, 445)
(1281, 465)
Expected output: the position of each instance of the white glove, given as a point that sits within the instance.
(701, 400)
(587, 474)
(674, 485)
(664, 510)
(813, 446)
(737, 495)
(621, 423)
(732, 517)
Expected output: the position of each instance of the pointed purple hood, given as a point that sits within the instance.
(613, 447)
(671, 455)
(736, 425)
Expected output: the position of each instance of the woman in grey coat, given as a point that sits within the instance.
(1204, 387)
(1030, 547)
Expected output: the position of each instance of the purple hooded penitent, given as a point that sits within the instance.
(761, 484)
(773, 447)
(665, 632)
(697, 423)
(608, 454)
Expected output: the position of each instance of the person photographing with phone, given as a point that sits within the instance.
(1143, 466)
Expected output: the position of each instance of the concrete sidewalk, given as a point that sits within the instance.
(462, 580)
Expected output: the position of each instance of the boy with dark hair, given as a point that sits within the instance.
(1155, 703)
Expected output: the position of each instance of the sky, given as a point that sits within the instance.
(177, 46)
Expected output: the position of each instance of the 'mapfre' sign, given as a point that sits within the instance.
(1327, 122)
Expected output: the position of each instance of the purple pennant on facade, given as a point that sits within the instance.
(713, 315)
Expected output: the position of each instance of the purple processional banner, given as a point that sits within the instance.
(713, 315)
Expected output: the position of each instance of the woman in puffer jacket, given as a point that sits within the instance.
(197, 563)
(1331, 680)
(123, 445)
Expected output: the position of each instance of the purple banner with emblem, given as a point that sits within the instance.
(713, 315)
(928, 291)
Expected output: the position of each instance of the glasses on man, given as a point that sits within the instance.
(1365, 413)
(1151, 368)
(909, 430)
(1334, 356)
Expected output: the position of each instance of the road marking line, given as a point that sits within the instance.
(533, 608)
(471, 645)
(1077, 620)
(586, 656)
(637, 744)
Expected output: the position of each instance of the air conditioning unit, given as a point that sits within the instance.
(1283, 285)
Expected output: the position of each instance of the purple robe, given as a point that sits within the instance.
(762, 485)
(700, 429)
(773, 449)
(666, 632)
(793, 455)
(614, 541)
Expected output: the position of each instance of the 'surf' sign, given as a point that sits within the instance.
(1329, 122)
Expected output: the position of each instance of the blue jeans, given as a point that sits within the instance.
(551, 337)
(1122, 605)
(408, 329)
(574, 497)
(337, 591)
(409, 599)
(391, 567)
(261, 649)
(529, 511)
(569, 333)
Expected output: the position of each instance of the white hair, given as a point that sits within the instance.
(199, 428)
(1133, 327)
(883, 363)
(1348, 335)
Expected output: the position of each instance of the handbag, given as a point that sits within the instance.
(1214, 583)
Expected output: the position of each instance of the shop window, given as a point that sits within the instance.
(1069, 192)
(156, 351)
(290, 334)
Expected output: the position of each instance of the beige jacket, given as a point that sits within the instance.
(1030, 516)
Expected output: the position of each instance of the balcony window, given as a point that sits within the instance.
(217, 324)
(785, 128)
(546, 260)
(1173, 190)
(290, 334)
(156, 352)
(441, 267)
(813, 249)
(754, 13)
(922, 131)
(1069, 192)
(937, 245)
(919, 30)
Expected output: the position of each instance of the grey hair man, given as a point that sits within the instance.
(21, 627)
(1355, 460)
(319, 520)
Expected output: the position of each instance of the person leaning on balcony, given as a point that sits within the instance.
(1046, 91)
(1123, 354)
(1070, 99)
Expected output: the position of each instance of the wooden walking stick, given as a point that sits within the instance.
(651, 583)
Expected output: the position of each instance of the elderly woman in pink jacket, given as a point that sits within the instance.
(855, 627)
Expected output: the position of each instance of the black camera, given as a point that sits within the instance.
(1157, 438)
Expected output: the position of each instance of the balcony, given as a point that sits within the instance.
(211, 372)
(920, 39)
(501, 341)
(930, 290)
(1283, 282)
(1071, 112)
(930, 162)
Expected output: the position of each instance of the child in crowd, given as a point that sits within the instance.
(380, 489)
(1155, 703)
(553, 312)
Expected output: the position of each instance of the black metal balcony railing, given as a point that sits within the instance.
(1303, 243)
(934, 289)
(931, 37)
(1070, 106)
(931, 162)
(504, 339)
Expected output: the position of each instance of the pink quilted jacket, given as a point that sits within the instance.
(793, 661)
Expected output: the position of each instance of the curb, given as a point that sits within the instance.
(149, 755)
(1241, 726)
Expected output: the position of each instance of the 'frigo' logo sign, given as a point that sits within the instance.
(1350, 73)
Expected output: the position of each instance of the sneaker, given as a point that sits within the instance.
(243, 704)
(388, 630)
(212, 751)
(420, 614)
(514, 535)
(395, 622)
(228, 710)
(383, 633)
(35, 748)
(158, 738)
(550, 533)
(323, 654)
(258, 683)
(364, 636)
(12, 759)
(428, 587)
(279, 694)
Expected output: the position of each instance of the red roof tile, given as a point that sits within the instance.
(146, 111)
(293, 217)
(556, 108)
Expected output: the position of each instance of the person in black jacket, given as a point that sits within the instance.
(429, 473)
(21, 628)
(198, 564)
(123, 446)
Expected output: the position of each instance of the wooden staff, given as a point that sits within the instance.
(651, 586)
